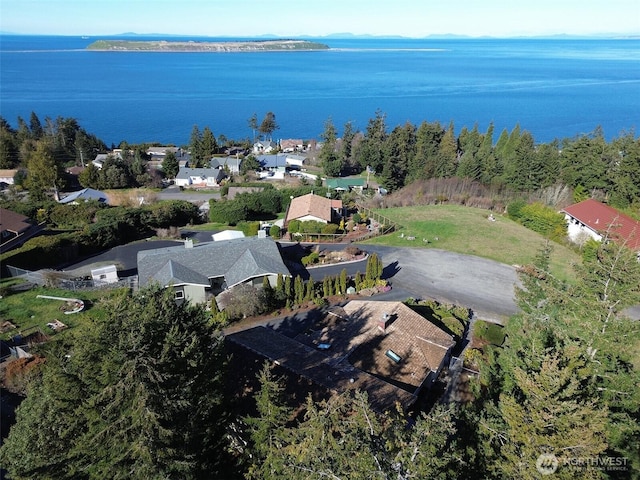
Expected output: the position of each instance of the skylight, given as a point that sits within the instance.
(393, 356)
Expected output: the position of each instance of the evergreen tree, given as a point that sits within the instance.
(298, 290)
(288, 289)
(309, 289)
(170, 165)
(584, 162)
(208, 145)
(44, 174)
(90, 177)
(137, 395)
(253, 125)
(508, 156)
(470, 163)
(447, 156)
(501, 146)
(625, 174)
(357, 279)
(370, 151)
(266, 427)
(327, 289)
(425, 161)
(399, 151)
(37, 132)
(343, 281)
(280, 292)
(195, 148)
(548, 411)
(346, 145)
(374, 267)
(563, 360)
(489, 165)
(268, 125)
(329, 158)
(23, 133)
(9, 156)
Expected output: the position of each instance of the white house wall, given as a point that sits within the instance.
(195, 293)
(308, 218)
(578, 232)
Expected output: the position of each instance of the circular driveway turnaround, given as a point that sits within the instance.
(485, 286)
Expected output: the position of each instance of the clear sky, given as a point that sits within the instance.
(290, 18)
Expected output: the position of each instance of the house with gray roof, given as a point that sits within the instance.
(272, 162)
(197, 272)
(199, 177)
(101, 158)
(85, 195)
(231, 163)
(264, 146)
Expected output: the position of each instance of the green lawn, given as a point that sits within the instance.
(488, 332)
(27, 312)
(467, 230)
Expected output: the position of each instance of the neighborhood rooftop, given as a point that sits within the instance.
(312, 207)
(602, 218)
(348, 348)
(13, 223)
(236, 260)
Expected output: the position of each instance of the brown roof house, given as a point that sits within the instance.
(15, 229)
(6, 176)
(383, 348)
(312, 207)
(592, 219)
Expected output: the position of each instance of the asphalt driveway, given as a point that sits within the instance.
(485, 286)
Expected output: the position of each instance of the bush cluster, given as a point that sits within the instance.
(537, 217)
(108, 227)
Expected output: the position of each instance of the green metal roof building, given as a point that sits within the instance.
(346, 184)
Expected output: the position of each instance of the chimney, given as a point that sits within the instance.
(188, 243)
(382, 323)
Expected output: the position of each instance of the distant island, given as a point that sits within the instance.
(193, 46)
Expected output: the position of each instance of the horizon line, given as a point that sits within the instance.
(344, 35)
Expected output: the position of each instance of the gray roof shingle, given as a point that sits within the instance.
(236, 260)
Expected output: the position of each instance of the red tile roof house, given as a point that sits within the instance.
(312, 207)
(592, 219)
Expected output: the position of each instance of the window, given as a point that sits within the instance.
(179, 295)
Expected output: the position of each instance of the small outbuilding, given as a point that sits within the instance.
(106, 274)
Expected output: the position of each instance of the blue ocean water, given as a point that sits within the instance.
(552, 88)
